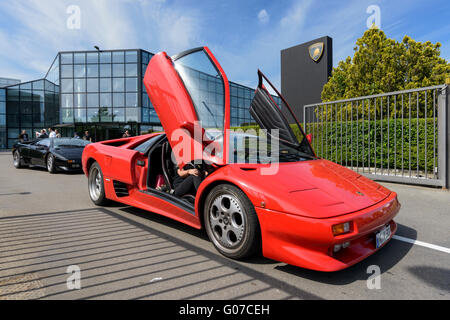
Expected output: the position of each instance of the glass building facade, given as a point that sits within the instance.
(30, 106)
(100, 87)
(4, 82)
(3, 132)
(99, 91)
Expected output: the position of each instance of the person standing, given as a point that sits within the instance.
(76, 136)
(52, 133)
(87, 136)
(58, 134)
(43, 134)
(126, 134)
(23, 137)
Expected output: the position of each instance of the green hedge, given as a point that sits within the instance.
(382, 138)
(372, 137)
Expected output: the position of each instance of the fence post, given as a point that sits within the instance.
(304, 120)
(443, 137)
(447, 113)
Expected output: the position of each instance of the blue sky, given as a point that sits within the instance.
(243, 35)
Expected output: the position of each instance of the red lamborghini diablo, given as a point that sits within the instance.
(298, 209)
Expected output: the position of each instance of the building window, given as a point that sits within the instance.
(131, 70)
(105, 57)
(79, 58)
(80, 71)
(92, 70)
(105, 85)
(105, 70)
(131, 84)
(132, 115)
(132, 99)
(92, 100)
(118, 57)
(131, 56)
(92, 57)
(67, 71)
(66, 85)
(118, 70)
(92, 85)
(79, 100)
(79, 85)
(118, 100)
(66, 58)
(118, 84)
(67, 101)
(105, 100)
(79, 115)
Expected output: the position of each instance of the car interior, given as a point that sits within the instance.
(161, 170)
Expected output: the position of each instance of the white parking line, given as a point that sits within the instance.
(423, 244)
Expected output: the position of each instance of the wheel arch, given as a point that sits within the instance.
(46, 156)
(89, 163)
(205, 191)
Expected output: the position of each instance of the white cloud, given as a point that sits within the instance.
(263, 16)
(38, 30)
(168, 28)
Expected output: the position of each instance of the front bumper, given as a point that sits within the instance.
(308, 242)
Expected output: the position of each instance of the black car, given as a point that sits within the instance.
(51, 153)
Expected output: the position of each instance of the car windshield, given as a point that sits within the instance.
(252, 147)
(69, 143)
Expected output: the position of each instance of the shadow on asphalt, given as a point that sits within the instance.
(436, 277)
(42, 169)
(119, 257)
(392, 253)
(15, 193)
(257, 259)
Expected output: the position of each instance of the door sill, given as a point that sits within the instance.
(182, 204)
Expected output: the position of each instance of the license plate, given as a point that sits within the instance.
(383, 235)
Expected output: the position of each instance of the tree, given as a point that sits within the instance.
(382, 65)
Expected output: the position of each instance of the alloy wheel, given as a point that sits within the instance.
(95, 184)
(16, 158)
(50, 163)
(227, 221)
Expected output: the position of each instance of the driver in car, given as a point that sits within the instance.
(188, 179)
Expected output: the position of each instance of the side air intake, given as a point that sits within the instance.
(121, 189)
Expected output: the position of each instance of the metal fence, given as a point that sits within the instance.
(398, 136)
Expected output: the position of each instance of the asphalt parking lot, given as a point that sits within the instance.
(48, 223)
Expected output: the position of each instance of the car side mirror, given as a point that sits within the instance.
(309, 137)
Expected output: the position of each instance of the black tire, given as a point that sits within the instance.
(50, 163)
(17, 161)
(96, 185)
(231, 222)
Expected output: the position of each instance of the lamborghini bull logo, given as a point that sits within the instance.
(316, 51)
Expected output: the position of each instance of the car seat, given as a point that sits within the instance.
(167, 165)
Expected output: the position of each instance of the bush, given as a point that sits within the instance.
(378, 143)
(368, 146)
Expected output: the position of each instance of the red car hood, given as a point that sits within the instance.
(317, 189)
